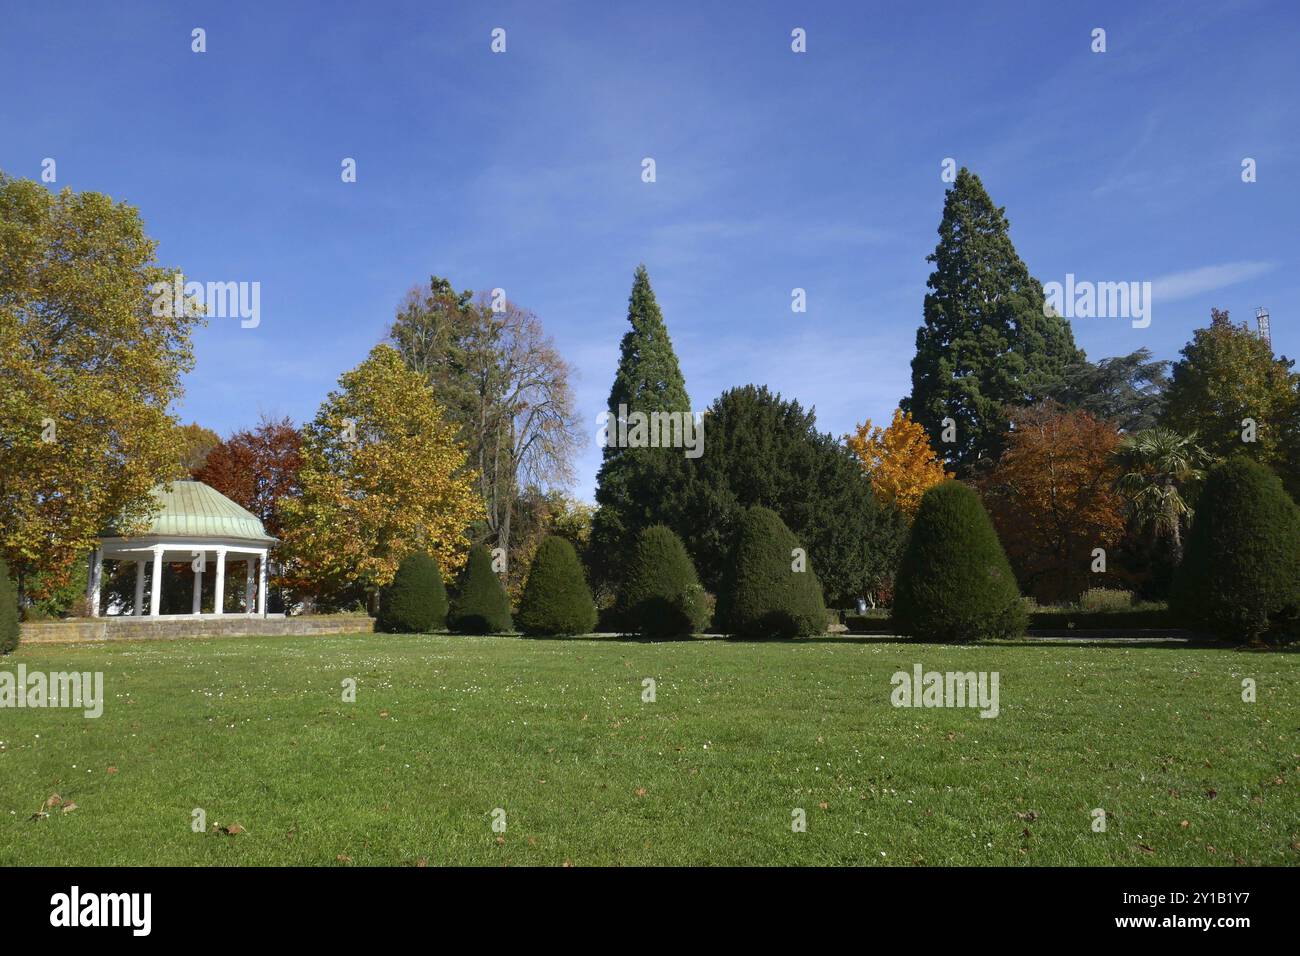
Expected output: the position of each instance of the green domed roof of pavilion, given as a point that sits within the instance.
(191, 509)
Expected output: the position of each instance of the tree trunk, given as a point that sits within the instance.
(503, 538)
(1175, 527)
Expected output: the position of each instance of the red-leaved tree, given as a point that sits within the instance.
(1053, 501)
(257, 469)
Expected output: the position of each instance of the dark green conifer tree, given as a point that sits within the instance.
(630, 480)
(986, 344)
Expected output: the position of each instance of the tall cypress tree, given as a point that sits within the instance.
(986, 343)
(630, 480)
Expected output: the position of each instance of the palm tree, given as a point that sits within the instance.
(1156, 464)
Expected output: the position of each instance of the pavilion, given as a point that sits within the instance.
(196, 524)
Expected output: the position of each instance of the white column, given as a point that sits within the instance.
(249, 581)
(261, 585)
(92, 581)
(155, 598)
(138, 606)
(196, 606)
(220, 599)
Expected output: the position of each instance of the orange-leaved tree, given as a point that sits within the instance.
(899, 460)
(1053, 500)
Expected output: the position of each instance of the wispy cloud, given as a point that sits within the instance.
(1184, 285)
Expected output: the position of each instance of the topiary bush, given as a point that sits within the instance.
(954, 582)
(662, 596)
(764, 594)
(416, 600)
(8, 610)
(481, 605)
(556, 599)
(1240, 576)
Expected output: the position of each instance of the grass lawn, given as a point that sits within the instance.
(446, 729)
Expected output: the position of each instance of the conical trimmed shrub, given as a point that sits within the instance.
(8, 610)
(556, 599)
(416, 600)
(662, 596)
(481, 605)
(1240, 576)
(954, 582)
(770, 588)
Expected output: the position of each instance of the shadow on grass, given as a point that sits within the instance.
(1161, 639)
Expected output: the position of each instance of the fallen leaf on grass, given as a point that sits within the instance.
(233, 830)
(341, 858)
(111, 770)
(640, 791)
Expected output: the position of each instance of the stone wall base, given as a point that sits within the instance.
(134, 629)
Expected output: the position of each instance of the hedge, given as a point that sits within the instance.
(481, 605)
(416, 600)
(8, 610)
(662, 596)
(770, 589)
(1240, 576)
(556, 599)
(954, 583)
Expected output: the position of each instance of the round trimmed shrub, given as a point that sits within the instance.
(954, 582)
(662, 596)
(416, 600)
(481, 605)
(1240, 576)
(763, 594)
(556, 599)
(8, 610)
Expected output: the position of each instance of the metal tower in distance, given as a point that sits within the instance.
(1265, 332)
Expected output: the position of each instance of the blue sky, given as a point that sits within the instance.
(775, 170)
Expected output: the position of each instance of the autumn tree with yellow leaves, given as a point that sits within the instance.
(899, 460)
(383, 476)
(89, 371)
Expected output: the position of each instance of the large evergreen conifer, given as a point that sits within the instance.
(630, 480)
(986, 344)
